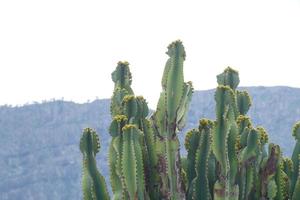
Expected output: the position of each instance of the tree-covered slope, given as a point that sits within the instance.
(40, 157)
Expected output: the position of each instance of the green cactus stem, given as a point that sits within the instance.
(267, 172)
(132, 162)
(198, 143)
(296, 152)
(130, 131)
(243, 102)
(296, 189)
(168, 119)
(93, 183)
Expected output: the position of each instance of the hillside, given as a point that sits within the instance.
(39, 154)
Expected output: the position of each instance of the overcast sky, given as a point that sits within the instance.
(60, 48)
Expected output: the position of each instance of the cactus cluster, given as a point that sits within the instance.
(227, 158)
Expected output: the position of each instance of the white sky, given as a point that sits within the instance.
(60, 48)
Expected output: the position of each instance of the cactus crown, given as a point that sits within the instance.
(242, 119)
(128, 127)
(176, 48)
(122, 76)
(120, 118)
(229, 77)
(188, 136)
(128, 98)
(203, 123)
(264, 138)
(296, 131)
(89, 142)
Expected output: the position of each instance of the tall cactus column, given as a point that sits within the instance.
(225, 134)
(224, 97)
(295, 181)
(93, 183)
(168, 119)
(198, 145)
(126, 153)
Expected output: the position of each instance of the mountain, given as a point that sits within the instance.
(40, 157)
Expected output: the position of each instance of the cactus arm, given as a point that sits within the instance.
(243, 102)
(116, 101)
(142, 106)
(249, 181)
(288, 167)
(212, 176)
(119, 121)
(168, 119)
(296, 152)
(201, 185)
(173, 161)
(192, 139)
(122, 79)
(268, 170)
(296, 191)
(272, 189)
(94, 186)
(184, 105)
(225, 121)
(115, 173)
(87, 186)
(232, 156)
(252, 145)
(288, 170)
(151, 160)
(229, 77)
(122, 76)
(224, 96)
(198, 145)
(174, 82)
(130, 107)
(159, 119)
(243, 122)
(281, 179)
(129, 161)
(141, 189)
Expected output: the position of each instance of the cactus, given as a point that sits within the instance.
(295, 160)
(198, 144)
(227, 158)
(168, 119)
(126, 152)
(225, 135)
(93, 183)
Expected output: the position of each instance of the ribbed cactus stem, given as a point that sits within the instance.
(229, 77)
(295, 156)
(132, 162)
(93, 183)
(296, 191)
(127, 154)
(168, 119)
(243, 102)
(199, 187)
(268, 171)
